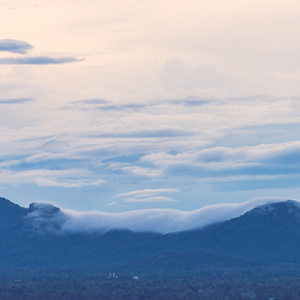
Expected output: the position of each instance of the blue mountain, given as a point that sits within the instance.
(32, 237)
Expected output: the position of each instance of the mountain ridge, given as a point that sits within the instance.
(33, 237)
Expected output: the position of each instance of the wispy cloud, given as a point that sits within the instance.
(151, 199)
(92, 101)
(15, 46)
(268, 159)
(16, 100)
(142, 193)
(148, 195)
(73, 178)
(105, 105)
(142, 171)
(129, 106)
(38, 60)
(193, 101)
(159, 133)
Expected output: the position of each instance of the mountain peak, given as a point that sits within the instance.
(45, 210)
(289, 210)
(45, 216)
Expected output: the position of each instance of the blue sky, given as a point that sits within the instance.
(125, 105)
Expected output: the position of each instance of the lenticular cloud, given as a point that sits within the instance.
(157, 220)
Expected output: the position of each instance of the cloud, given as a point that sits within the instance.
(105, 105)
(9, 163)
(121, 107)
(159, 133)
(158, 220)
(148, 195)
(38, 60)
(15, 46)
(44, 156)
(148, 148)
(92, 101)
(264, 159)
(67, 183)
(140, 171)
(72, 178)
(193, 101)
(151, 199)
(16, 100)
(146, 192)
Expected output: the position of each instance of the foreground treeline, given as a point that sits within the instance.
(48, 285)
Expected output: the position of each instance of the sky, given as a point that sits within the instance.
(128, 105)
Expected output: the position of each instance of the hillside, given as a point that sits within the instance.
(268, 234)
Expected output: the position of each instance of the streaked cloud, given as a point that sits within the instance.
(105, 105)
(38, 60)
(72, 178)
(147, 195)
(93, 101)
(151, 199)
(16, 100)
(15, 46)
(142, 193)
(265, 159)
(159, 133)
(193, 101)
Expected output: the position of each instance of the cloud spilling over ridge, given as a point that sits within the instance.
(14, 46)
(158, 220)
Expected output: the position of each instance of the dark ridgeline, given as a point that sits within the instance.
(269, 234)
(254, 256)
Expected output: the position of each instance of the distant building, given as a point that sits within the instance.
(112, 275)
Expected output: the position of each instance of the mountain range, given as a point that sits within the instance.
(266, 235)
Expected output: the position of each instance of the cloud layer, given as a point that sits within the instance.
(219, 146)
(157, 220)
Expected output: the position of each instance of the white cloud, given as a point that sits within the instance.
(47, 178)
(142, 193)
(158, 220)
(9, 163)
(147, 195)
(150, 199)
(140, 171)
(257, 159)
